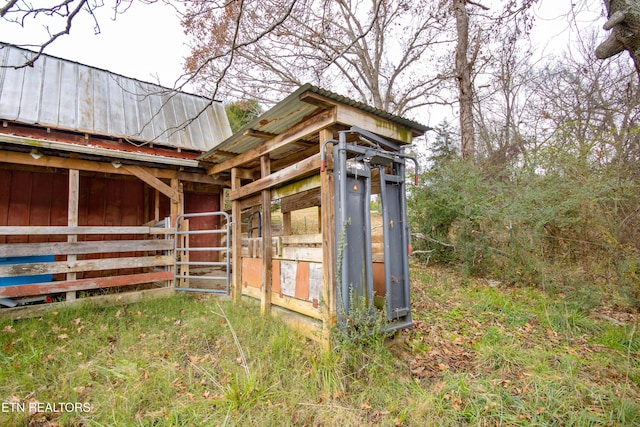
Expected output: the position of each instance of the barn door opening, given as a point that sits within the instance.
(202, 255)
(371, 249)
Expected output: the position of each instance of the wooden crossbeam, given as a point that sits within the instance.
(299, 131)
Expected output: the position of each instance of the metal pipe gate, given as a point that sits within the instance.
(183, 265)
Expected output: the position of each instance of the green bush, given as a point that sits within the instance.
(557, 226)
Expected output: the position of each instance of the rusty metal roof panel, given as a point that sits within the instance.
(66, 95)
(289, 112)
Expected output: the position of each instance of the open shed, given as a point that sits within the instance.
(342, 162)
(98, 169)
(95, 168)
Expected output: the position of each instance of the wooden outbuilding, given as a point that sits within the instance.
(95, 168)
(330, 160)
(99, 173)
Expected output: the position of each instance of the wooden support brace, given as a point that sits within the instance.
(267, 265)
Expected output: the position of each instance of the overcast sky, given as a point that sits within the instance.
(147, 42)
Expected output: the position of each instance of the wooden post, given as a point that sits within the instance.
(72, 221)
(328, 245)
(267, 264)
(286, 224)
(177, 209)
(156, 208)
(236, 240)
(177, 204)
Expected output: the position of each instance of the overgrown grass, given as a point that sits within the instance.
(478, 355)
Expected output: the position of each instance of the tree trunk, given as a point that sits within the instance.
(465, 85)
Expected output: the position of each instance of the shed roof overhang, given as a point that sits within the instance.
(290, 129)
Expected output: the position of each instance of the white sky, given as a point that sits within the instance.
(148, 43)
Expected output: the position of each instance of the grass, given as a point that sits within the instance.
(478, 355)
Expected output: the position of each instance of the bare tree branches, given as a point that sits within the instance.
(374, 50)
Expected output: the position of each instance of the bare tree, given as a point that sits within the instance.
(56, 18)
(377, 51)
(464, 67)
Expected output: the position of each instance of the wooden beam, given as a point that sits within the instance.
(305, 199)
(17, 270)
(300, 169)
(10, 230)
(28, 311)
(236, 240)
(177, 202)
(85, 247)
(293, 158)
(83, 284)
(72, 221)
(267, 265)
(352, 116)
(245, 174)
(259, 134)
(299, 131)
(102, 167)
(328, 246)
(154, 182)
(296, 187)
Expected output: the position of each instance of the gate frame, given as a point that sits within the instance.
(227, 249)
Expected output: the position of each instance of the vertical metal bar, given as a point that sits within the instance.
(406, 236)
(227, 249)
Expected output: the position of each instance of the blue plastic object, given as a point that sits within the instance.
(23, 280)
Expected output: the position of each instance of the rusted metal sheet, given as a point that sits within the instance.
(66, 95)
(291, 111)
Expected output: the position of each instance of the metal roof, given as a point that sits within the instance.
(288, 113)
(66, 95)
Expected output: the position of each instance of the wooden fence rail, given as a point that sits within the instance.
(147, 259)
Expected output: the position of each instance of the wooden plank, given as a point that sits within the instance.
(328, 260)
(291, 304)
(236, 240)
(81, 230)
(245, 173)
(267, 266)
(302, 281)
(306, 199)
(72, 221)
(103, 167)
(352, 116)
(153, 182)
(28, 311)
(13, 270)
(177, 203)
(289, 159)
(302, 239)
(301, 254)
(90, 247)
(296, 187)
(304, 325)
(306, 166)
(83, 284)
(299, 131)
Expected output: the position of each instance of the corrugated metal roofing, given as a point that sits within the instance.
(66, 95)
(291, 111)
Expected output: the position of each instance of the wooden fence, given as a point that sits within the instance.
(90, 258)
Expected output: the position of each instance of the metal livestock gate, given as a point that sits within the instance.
(199, 276)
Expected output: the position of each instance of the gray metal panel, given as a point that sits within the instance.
(69, 85)
(50, 92)
(66, 95)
